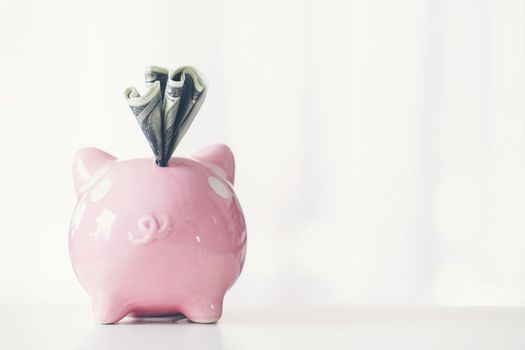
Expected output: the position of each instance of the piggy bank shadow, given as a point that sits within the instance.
(164, 332)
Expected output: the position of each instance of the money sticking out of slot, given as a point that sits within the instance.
(167, 108)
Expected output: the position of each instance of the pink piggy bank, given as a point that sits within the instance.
(148, 240)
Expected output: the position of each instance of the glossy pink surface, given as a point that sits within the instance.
(148, 240)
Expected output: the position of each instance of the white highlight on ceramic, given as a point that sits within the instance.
(82, 170)
(198, 239)
(104, 222)
(77, 216)
(100, 190)
(218, 170)
(237, 203)
(93, 178)
(150, 227)
(219, 187)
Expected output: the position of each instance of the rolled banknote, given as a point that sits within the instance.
(148, 112)
(190, 87)
(171, 106)
(168, 108)
(155, 73)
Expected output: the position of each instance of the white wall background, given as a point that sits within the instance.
(380, 145)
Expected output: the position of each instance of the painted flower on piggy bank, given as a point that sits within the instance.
(150, 240)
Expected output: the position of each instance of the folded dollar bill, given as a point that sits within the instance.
(167, 108)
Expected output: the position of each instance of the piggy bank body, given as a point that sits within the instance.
(150, 240)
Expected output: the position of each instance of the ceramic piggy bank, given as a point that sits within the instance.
(150, 240)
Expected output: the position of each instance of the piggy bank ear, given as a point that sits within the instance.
(220, 159)
(89, 165)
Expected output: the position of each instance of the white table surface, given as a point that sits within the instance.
(270, 327)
